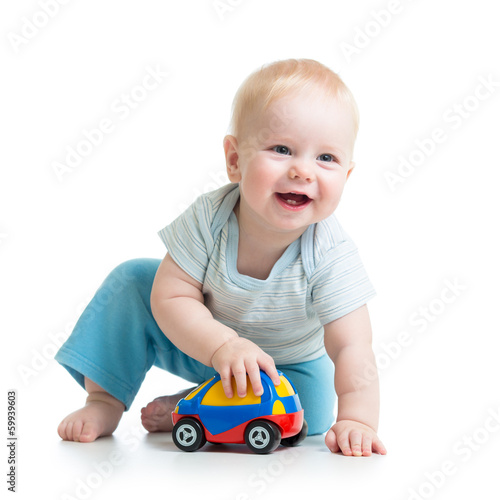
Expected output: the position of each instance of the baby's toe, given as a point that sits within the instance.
(149, 423)
(156, 416)
(69, 430)
(88, 433)
(77, 430)
(61, 430)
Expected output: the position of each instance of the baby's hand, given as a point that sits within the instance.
(239, 357)
(353, 439)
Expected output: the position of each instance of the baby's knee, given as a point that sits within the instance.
(128, 279)
(134, 272)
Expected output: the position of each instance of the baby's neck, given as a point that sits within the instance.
(259, 251)
(256, 260)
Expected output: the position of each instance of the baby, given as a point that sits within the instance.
(259, 275)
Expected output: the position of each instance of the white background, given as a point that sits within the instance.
(429, 243)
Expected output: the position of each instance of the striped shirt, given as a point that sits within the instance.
(319, 278)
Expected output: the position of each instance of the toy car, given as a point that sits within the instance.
(262, 422)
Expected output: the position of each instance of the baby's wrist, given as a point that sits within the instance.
(215, 353)
(357, 422)
(229, 337)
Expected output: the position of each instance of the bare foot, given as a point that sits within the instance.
(99, 417)
(157, 415)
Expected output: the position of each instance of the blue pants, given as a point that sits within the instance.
(116, 341)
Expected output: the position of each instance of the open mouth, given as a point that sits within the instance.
(293, 200)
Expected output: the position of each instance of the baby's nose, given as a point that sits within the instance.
(301, 171)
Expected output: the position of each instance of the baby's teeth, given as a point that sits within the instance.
(291, 202)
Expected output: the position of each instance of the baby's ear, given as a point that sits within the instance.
(232, 157)
(351, 168)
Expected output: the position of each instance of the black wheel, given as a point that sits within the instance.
(262, 436)
(298, 438)
(188, 434)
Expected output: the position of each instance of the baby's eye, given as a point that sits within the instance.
(327, 157)
(282, 150)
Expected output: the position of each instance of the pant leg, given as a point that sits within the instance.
(314, 381)
(116, 340)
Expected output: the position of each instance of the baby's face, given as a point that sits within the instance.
(293, 162)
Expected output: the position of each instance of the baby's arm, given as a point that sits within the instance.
(348, 343)
(178, 307)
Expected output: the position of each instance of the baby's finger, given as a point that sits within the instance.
(226, 379)
(255, 380)
(267, 364)
(331, 441)
(240, 376)
(367, 446)
(343, 443)
(378, 446)
(356, 439)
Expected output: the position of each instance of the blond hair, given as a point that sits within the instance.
(281, 78)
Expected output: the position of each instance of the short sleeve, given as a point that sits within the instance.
(189, 240)
(339, 283)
